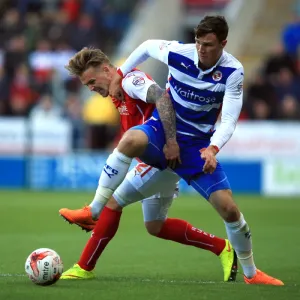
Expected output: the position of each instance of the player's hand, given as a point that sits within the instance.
(209, 155)
(115, 89)
(172, 153)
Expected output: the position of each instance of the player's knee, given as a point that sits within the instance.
(154, 227)
(231, 212)
(133, 143)
(223, 202)
(113, 204)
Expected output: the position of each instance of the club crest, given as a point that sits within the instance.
(217, 76)
(138, 80)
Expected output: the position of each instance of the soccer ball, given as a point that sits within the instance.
(44, 266)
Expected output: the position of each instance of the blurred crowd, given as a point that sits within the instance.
(274, 92)
(37, 38)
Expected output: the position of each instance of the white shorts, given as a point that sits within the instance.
(156, 189)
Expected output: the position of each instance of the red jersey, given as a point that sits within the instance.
(134, 110)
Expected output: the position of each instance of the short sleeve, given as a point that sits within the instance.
(136, 85)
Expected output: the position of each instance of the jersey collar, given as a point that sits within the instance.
(196, 59)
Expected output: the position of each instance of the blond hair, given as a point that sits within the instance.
(85, 58)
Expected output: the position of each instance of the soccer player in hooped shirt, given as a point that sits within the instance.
(203, 81)
(157, 188)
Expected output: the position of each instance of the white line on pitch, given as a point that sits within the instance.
(142, 279)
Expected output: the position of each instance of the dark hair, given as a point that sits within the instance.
(213, 24)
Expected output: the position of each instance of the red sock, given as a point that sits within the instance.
(105, 229)
(182, 232)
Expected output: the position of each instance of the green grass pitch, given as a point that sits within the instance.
(138, 266)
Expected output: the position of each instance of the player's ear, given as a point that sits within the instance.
(223, 43)
(105, 69)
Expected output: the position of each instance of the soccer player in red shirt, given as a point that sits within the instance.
(155, 188)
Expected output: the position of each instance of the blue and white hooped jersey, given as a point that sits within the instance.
(198, 96)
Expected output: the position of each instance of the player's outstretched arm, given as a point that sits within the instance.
(157, 49)
(161, 98)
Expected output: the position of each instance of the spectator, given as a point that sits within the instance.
(37, 38)
(22, 94)
(84, 33)
(287, 84)
(277, 60)
(45, 110)
(261, 99)
(15, 55)
(63, 52)
(291, 36)
(25, 6)
(57, 28)
(289, 109)
(10, 25)
(73, 112)
(72, 9)
(32, 31)
(4, 92)
(41, 61)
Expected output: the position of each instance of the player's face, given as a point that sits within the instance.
(209, 49)
(97, 79)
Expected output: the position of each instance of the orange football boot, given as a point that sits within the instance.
(81, 217)
(262, 278)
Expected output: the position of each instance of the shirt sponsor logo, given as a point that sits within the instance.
(191, 95)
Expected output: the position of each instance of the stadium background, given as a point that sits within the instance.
(55, 135)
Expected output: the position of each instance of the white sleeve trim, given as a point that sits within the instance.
(232, 105)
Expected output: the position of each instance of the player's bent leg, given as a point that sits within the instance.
(154, 227)
(113, 204)
(240, 236)
(109, 219)
(105, 229)
(153, 154)
(108, 222)
(133, 143)
(143, 182)
(184, 233)
(237, 229)
(155, 211)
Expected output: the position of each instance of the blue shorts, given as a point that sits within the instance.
(192, 164)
